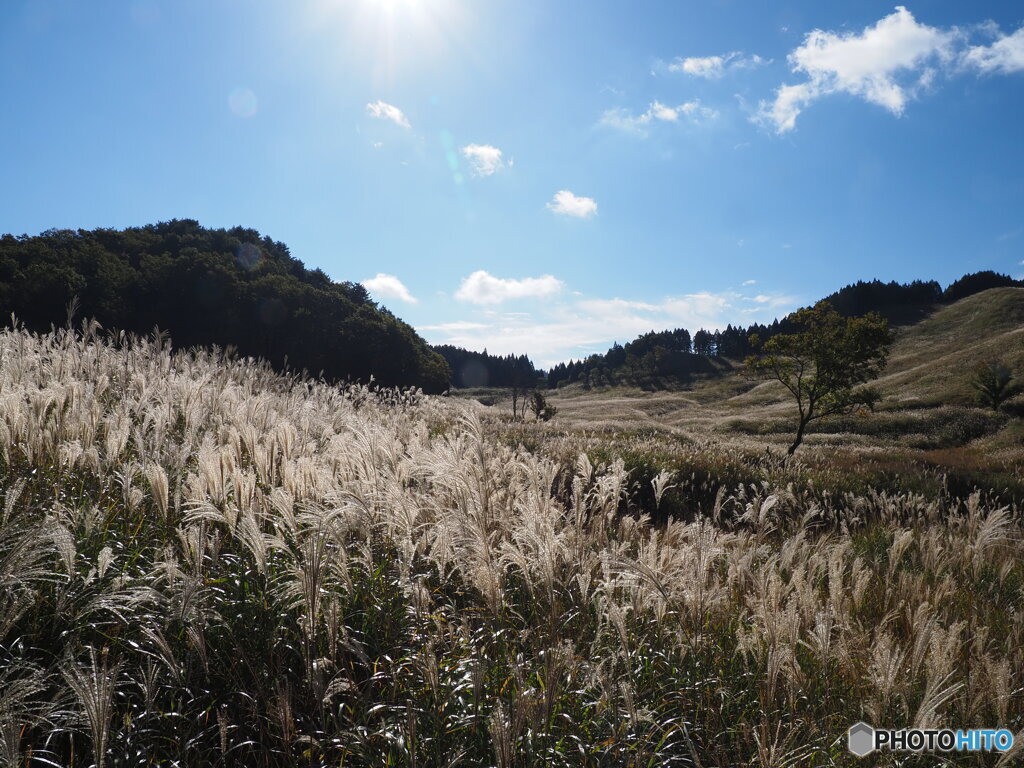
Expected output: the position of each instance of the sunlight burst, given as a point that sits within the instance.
(395, 35)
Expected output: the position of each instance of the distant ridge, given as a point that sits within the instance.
(672, 358)
(904, 303)
(480, 369)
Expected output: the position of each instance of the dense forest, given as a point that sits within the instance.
(666, 358)
(213, 287)
(480, 369)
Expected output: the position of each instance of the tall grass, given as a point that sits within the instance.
(202, 562)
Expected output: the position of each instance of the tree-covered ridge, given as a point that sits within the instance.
(660, 359)
(226, 287)
(480, 369)
(968, 285)
(897, 302)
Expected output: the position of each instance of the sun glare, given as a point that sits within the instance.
(395, 35)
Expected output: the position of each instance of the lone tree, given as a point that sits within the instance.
(823, 361)
(994, 384)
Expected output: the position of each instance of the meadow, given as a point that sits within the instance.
(203, 562)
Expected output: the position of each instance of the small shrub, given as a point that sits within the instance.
(993, 384)
(542, 410)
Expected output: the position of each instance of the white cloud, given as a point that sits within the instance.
(790, 101)
(389, 287)
(1005, 55)
(568, 204)
(581, 326)
(656, 112)
(481, 287)
(707, 66)
(749, 282)
(386, 111)
(884, 64)
(484, 159)
(711, 67)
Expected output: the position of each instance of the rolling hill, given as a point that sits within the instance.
(931, 360)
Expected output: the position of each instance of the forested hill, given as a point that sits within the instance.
(214, 286)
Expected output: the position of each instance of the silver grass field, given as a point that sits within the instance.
(203, 562)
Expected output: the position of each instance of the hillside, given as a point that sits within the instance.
(931, 360)
(213, 287)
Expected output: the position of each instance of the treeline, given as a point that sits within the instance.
(663, 359)
(480, 369)
(968, 285)
(909, 302)
(899, 303)
(225, 287)
(657, 359)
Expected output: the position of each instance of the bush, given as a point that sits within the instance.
(993, 384)
(542, 410)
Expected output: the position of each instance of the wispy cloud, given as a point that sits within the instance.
(712, 67)
(484, 159)
(385, 111)
(623, 120)
(455, 327)
(481, 287)
(1005, 55)
(568, 204)
(389, 287)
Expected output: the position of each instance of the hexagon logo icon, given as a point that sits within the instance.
(861, 739)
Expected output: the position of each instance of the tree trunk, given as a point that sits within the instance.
(799, 436)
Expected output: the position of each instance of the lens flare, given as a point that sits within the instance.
(249, 256)
(243, 102)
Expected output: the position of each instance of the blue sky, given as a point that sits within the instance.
(535, 176)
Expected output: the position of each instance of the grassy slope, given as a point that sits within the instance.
(931, 361)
